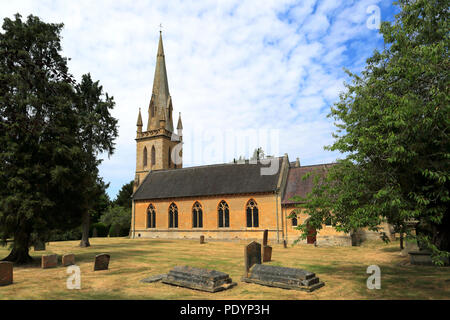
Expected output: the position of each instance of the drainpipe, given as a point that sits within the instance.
(134, 218)
(278, 229)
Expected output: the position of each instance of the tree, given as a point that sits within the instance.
(98, 129)
(123, 198)
(118, 220)
(393, 126)
(40, 156)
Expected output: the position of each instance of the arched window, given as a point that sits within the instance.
(252, 214)
(294, 221)
(144, 159)
(153, 156)
(151, 217)
(224, 214)
(173, 216)
(197, 215)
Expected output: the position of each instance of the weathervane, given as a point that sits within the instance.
(160, 27)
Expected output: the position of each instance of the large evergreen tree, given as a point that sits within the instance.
(51, 133)
(393, 126)
(40, 156)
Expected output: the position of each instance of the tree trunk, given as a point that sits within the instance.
(401, 241)
(85, 230)
(19, 253)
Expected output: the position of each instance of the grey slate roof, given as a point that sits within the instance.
(206, 181)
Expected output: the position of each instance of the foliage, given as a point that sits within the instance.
(118, 220)
(123, 198)
(102, 230)
(393, 125)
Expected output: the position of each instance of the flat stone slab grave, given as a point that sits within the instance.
(156, 278)
(101, 262)
(282, 277)
(49, 261)
(199, 279)
(6, 273)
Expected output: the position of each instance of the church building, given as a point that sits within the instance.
(231, 201)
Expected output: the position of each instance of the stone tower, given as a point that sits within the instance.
(158, 148)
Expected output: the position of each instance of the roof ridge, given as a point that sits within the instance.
(207, 165)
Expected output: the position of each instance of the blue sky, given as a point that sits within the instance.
(269, 66)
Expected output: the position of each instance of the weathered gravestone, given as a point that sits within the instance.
(101, 262)
(202, 239)
(49, 261)
(281, 277)
(252, 255)
(267, 253)
(284, 244)
(39, 246)
(265, 237)
(267, 250)
(6, 273)
(199, 279)
(68, 260)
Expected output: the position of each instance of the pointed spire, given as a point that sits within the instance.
(180, 125)
(160, 93)
(139, 120)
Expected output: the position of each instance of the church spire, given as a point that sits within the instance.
(139, 122)
(161, 102)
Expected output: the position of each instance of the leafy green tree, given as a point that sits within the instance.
(40, 156)
(98, 130)
(123, 198)
(118, 219)
(393, 127)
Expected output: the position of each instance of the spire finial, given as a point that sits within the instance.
(160, 28)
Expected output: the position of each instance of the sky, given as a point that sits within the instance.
(243, 74)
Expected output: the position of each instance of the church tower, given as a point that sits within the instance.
(158, 147)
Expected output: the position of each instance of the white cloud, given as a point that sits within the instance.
(231, 65)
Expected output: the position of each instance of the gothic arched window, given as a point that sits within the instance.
(294, 219)
(223, 214)
(197, 215)
(144, 157)
(153, 156)
(173, 216)
(252, 214)
(151, 216)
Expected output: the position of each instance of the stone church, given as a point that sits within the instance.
(232, 201)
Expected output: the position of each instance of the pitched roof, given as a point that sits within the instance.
(206, 181)
(296, 186)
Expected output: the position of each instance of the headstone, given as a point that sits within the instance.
(49, 261)
(267, 253)
(202, 239)
(199, 279)
(101, 262)
(284, 244)
(252, 255)
(265, 237)
(156, 278)
(68, 260)
(39, 246)
(281, 277)
(6, 273)
(424, 258)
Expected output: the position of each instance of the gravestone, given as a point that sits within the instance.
(281, 277)
(252, 255)
(39, 246)
(156, 278)
(202, 239)
(101, 262)
(49, 261)
(68, 260)
(6, 273)
(285, 244)
(199, 279)
(265, 237)
(267, 253)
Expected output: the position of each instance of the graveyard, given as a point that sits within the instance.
(341, 269)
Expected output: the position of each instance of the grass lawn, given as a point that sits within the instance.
(343, 269)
